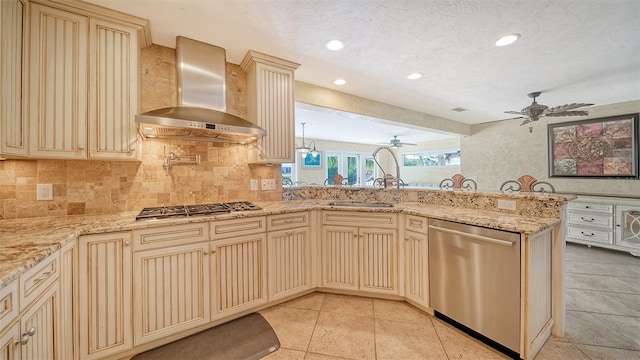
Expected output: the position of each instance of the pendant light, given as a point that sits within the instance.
(304, 149)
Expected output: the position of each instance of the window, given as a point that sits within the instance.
(433, 158)
(288, 174)
(358, 168)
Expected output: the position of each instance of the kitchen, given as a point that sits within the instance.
(108, 187)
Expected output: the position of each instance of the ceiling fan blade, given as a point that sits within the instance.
(565, 107)
(525, 122)
(513, 112)
(569, 113)
(404, 143)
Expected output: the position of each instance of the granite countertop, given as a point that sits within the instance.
(26, 242)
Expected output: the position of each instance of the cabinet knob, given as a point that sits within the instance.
(80, 147)
(133, 148)
(31, 331)
(206, 252)
(126, 243)
(24, 340)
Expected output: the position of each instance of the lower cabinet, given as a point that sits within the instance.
(8, 340)
(289, 253)
(417, 267)
(171, 290)
(238, 267)
(360, 257)
(104, 289)
(38, 327)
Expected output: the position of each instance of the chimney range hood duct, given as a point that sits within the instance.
(201, 112)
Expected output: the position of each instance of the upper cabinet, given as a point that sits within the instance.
(82, 84)
(270, 104)
(12, 26)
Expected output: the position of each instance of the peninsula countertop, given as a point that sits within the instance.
(26, 242)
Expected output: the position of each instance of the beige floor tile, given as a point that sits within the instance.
(606, 353)
(398, 311)
(459, 345)
(626, 327)
(558, 350)
(311, 301)
(314, 356)
(348, 305)
(344, 335)
(286, 354)
(294, 327)
(406, 340)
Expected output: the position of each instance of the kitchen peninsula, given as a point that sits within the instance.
(111, 255)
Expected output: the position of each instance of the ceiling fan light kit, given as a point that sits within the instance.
(536, 111)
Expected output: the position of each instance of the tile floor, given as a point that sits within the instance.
(603, 312)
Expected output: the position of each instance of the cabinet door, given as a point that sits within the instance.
(289, 262)
(113, 90)
(171, 290)
(9, 350)
(13, 129)
(58, 83)
(40, 322)
(378, 260)
(339, 257)
(105, 294)
(68, 324)
(417, 267)
(239, 271)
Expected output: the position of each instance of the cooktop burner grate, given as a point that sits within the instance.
(163, 212)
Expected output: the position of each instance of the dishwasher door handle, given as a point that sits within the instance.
(473, 236)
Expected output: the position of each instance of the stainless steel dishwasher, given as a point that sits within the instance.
(474, 275)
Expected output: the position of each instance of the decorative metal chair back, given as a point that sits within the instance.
(458, 182)
(527, 183)
(338, 180)
(387, 181)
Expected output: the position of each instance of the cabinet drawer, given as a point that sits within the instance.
(591, 207)
(37, 279)
(416, 223)
(8, 304)
(287, 221)
(359, 219)
(591, 219)
(158, 237)
(237, 227)
(586, 234)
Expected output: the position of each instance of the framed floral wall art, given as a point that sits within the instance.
(604, 147)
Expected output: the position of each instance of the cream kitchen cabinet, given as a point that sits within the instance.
(239, 266)
(8, 340)
(13, 132)
(270, 103)
(359, 251)
(289, 254)
(416, 259)
(68, 324)
(171, 280)
(104, 290)
(83, 81)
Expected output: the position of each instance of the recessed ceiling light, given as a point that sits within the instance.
(507, 39)
(335, 45)
(340, 82)
(414, 76)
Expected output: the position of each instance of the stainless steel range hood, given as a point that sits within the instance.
(201, 113)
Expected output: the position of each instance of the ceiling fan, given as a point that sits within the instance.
(535, 111)
(396, 143)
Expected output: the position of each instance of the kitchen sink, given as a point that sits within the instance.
(361, 204)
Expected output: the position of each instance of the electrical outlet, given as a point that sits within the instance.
(268, 184)
(44, 192)
(507, 204)
(254, 184)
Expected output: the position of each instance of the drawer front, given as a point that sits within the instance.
(37, 279)
(586, 234)
(287, 221)
(416, 223)
(164, 236)
(591, 219)
(371, 219)
(8, 304)
(237, 227)
(590, 207)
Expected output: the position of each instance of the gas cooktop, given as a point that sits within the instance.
(163, 212)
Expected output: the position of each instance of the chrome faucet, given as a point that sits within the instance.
(393, 155)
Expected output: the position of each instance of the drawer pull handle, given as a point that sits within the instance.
(288, 221)
(26, 336)
(584, 234)
(41, 277)
(588, 220)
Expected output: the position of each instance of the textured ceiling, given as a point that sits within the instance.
(571, 50)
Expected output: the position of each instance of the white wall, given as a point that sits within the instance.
(504, 150)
